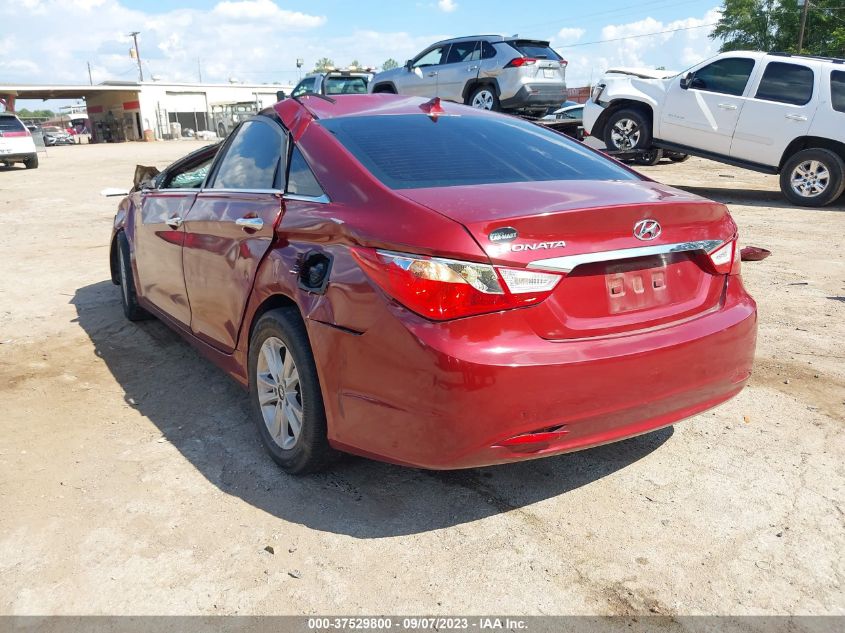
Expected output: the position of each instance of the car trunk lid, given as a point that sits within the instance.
(614, 282)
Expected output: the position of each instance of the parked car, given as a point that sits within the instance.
(569, 111)
(334, 82)
(774, 113)
(16, 144)
(406, 280)
(226, 115)
(489, 72)
(54, 135)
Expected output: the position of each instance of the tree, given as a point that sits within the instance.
(390, 64)
(772, 25)
(24, 113)
(323, 64)
(354, 64)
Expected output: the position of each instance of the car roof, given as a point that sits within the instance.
(366, 105)
(490, 38)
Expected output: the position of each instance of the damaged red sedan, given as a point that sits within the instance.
(437, 286)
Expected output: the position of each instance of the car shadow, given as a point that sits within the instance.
(754, 197)
(206, 416)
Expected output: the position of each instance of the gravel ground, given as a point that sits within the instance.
(132, 482)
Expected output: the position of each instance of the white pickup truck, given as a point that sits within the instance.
(771, 112)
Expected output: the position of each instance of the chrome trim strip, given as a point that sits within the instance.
(324, 199)
(568, 262)
(226, 190)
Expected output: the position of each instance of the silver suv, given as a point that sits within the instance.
(485, 71)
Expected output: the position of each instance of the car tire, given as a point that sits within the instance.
(813, 177)
(676, 157)
(484, 98)
(31, 162)
(649, 157)
(284, 387)
(128, 296)
(627, 130)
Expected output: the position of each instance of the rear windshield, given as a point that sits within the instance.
(537, 50)
(412, 151)
(345, 85)
(11, 124)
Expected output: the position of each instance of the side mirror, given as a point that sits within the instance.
(280, 95)
(685, 81)
(408, 64)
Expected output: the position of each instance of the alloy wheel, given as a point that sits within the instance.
(279, 393)
(625, 134)
(483, 100)
(810, 178)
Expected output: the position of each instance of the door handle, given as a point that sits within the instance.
(796, 117)
(174, 223)
(255, 224)
(727, 106)
(472, 68)
(433, 73)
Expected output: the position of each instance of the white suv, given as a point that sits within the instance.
(16, 144)
(772, 112)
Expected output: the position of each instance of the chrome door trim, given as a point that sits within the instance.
(324, 199)
(568, 262)
(254, 224)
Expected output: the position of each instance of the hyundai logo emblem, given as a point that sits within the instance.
(647, 230)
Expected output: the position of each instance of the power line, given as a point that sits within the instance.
(631, 37)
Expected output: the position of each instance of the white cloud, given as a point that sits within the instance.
(447, 6)
(677, 50)
(570, 34)
(266, 10)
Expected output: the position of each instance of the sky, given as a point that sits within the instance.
(259, 41)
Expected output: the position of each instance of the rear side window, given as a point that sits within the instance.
(301, 180)
(463, 52)
(11, 124)
(786, 83)
(537, 50)
(487, 50)
(345, 85)
(413, 151)
(726, 76)
(837, 90)
(251, 160)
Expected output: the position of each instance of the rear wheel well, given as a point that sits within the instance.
(472, 84)
(615, 106)
(809, 142)
(272, 302)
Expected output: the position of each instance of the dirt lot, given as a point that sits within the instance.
(131, 480)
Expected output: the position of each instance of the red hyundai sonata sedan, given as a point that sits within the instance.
(437, 286)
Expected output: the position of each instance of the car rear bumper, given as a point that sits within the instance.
(17, 157)
(535, 96)
(487, 390)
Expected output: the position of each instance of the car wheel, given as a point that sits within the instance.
(813, 177)
(627, 130)
(221, 131)
(285, 393)
(484, 98)
(31, 162)
(649, 157)
(128, 297)
(675, 157)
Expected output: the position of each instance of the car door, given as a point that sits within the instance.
(780, 110)
(462, 64)
(230, 227)
(420, 77)
(701, 108)
(160, 234)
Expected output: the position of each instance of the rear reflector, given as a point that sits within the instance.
(442, 289)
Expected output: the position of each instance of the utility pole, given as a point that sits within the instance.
(90, 79)
(134, 35)
(199, 69)
(805, 7)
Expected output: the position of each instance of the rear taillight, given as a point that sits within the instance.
(442, 289)
(564, 63)
(725, 258)
(520, 61)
